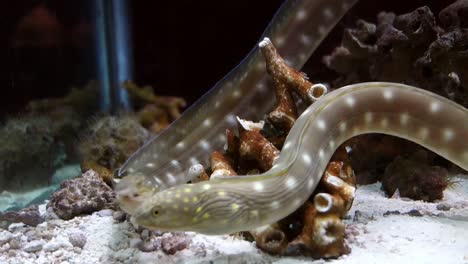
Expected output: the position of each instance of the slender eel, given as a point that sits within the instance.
(153, 191)
(302, 24)
(233, 204)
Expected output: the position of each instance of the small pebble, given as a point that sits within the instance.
(34, 246)
(15, 243)
(443, 207)
(170, 245)
(5, 236)
(135, 242)
(12, 253)
(362, 217)
(47, 235)
(50, 214)
(52, 246)
(105, 212)
(77, 250)
(32, 235)
(77, 238)
(145, 234)
(148, 246)
(414, 212)
(396, 212)
(119, 216)
(57, 253)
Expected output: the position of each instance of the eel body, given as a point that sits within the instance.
(227, 205)
(296, 30)
(153, 191)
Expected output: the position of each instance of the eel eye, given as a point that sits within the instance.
(155, 212)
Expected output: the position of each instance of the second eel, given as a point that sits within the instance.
(228, 205)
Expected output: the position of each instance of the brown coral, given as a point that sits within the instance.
(254, 145)
(220, 166)
(315, 229)
(281, 72)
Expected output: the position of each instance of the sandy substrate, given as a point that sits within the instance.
(429, 233)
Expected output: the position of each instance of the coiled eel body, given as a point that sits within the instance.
(220, 206)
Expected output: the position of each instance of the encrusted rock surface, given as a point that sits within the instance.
(409, 48)
(30, 216)
(109, 142)
(82, 195)
(415, 179)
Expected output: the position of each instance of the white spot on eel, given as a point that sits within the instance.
(388, 95)
(350, 101)
(258, 186)
(435, 107)
(307, 159)
(321, 124)
(448, 134)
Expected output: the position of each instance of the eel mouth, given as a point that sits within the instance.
(131, 193)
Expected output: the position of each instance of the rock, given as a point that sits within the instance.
(32, 235)
(105, 212)
(396, 212)
(52, 246)
(57, 253)
(82, 195)
(5, 237)
(415, 178)
(47, 235)
(148, 246)
(172, 244)
(444, 207)
(50, 214)
(119, 241)
(414, 212)
(34, 246)
(119, 216)
(362, 217)
(77, 250)
(29, 216)
(108, 143)
(135, 242)
(145, 234)
(15, 243)
(455, 15)
(77, 238)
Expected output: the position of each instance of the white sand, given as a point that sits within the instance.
(436, 237)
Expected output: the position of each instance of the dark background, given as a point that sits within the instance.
(180, 47)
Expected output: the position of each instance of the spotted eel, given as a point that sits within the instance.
(153, 189)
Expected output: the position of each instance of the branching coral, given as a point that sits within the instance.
(316, 229)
